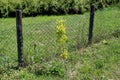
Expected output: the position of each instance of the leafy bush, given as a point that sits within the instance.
(36, 7)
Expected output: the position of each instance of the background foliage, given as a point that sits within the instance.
(49, 7)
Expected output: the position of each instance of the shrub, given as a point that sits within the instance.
(36, 7)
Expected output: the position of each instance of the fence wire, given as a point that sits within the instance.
(39, 35)
(8, 48)
(39, 38)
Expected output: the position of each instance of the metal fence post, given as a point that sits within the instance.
(91, 24)
(19, 38)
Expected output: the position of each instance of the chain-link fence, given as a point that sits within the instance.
(8, 49)
(39, 35)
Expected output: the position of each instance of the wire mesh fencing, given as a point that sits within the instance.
(8, 49)
(39, 37)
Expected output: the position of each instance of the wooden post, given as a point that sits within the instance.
(19, 38)
(91, 24)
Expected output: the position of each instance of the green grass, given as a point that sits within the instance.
(100, 61)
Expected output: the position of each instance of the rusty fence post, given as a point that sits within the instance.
(19, 38)
(91, 23)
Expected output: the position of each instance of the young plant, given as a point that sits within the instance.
(61, 39)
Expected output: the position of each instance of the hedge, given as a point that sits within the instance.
(49, 7)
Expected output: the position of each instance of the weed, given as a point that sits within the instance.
(61, 39)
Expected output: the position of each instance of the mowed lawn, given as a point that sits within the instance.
(100, 61)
